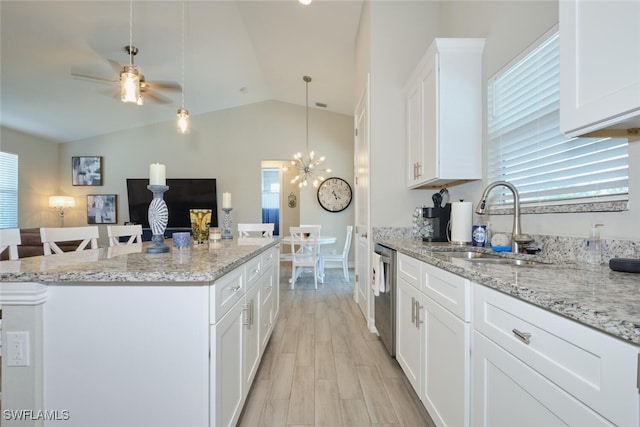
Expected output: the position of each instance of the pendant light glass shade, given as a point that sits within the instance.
(130, 84)
(183, 121)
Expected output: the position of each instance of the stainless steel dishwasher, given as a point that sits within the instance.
(385, 303)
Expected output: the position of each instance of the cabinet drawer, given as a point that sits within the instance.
(225, 292)
(269, 257)
(409, 269)
(450, 291)
(253, 270)
(599, 370)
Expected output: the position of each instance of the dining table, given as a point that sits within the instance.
(322, 240)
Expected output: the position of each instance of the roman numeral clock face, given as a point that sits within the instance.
(334, 194)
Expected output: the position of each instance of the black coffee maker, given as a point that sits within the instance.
(435, 220)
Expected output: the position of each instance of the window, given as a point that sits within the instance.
(527, 148)
(8, 190)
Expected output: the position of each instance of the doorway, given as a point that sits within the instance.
(280, 198)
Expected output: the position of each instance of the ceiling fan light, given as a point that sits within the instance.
(183, 121)
(305, 2)
(130, 84)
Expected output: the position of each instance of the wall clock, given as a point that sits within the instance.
(334, 194)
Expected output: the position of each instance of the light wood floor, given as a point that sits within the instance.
(323, 367)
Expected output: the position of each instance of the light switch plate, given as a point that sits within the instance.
(18, 348)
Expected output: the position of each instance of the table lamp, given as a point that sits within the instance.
(61, 202)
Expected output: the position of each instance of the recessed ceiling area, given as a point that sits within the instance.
(236, 53)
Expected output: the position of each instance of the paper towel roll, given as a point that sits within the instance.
(461, 218)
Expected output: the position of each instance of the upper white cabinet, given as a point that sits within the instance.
(444, 114)
(599, 65)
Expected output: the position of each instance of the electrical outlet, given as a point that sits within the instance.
(18, 348)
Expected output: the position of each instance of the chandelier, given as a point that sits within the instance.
(130, 76)
(183, 125)
(307, 166)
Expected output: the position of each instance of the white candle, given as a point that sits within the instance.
(226, 200)
(157, 174)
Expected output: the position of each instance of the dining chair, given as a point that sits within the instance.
(10, 239)
(88, 236)
(251, 230)
(304, 252)
(133, 232)
(342, 257)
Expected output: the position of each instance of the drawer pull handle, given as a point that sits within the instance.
(525, 337)
(418, 321)
(235, 288)
(413, 310)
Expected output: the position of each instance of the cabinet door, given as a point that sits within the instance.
(507, 392)
(445, 385)
(414, 134)
(251, 335)
(429, 115)
(267, 307)
(600, 64)
(227, 385)
(408, 335)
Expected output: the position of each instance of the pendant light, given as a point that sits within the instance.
(307, 165)
(130, 76)
(183, 125)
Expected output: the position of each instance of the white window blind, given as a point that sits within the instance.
(8, 190)
(526, 146)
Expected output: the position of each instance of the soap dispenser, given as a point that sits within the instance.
(594, 246)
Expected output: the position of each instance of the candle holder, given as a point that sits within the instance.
(226, 224)
(158, 219)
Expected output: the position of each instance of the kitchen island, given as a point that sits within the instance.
(118, 336)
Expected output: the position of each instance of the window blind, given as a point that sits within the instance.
(526, 146)
(8, 190)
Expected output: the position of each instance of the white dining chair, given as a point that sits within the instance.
(255, 230)
(133, 232)
(10, 240)
(88, 237)
(304, 252)
(342, 257)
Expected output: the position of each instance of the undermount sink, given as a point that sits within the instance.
(471, 255)
(485, 258)
(506, 261)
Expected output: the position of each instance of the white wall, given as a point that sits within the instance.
(228, 145)
(37, 176)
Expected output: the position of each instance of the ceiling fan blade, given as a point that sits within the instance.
(163, 85)
(117, 67)
(157, 97)
(99, 79)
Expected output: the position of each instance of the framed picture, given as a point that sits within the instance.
(86, 170)
(102, 209)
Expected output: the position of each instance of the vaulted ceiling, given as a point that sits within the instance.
(235, 53)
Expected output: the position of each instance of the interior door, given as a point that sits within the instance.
(362, 293)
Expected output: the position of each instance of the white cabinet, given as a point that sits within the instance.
(238, 338)
(432, 340)
(599, 65)
(409, 331)
(444, 114)
(550, 370)
(227, 387)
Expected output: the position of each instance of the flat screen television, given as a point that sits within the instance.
(183, 194)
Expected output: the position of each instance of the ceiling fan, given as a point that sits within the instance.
(132, 71)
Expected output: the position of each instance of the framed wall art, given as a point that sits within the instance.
(102, 209)
(86, 170)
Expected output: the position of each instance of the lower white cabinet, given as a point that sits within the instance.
(239, 338)
(551, 370)
(432, 343)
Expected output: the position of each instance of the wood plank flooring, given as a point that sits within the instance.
(322, 367)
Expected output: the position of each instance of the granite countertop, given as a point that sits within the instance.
(596, 296)
(197, 264)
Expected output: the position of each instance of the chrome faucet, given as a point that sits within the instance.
(518, 240)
